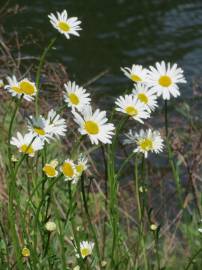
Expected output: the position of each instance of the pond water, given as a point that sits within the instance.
(116, 33)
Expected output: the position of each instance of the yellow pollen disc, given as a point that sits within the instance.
(16, 89)
(80, 168)
(143, 98)
(131, 111)
(49, 170)
(64, 26)
(27, 88)
(84, 252)
(24, 148)
(146, 144)
(39, 131)
(67, 169)
(73, 98)
(91, 127)
(25, 252)
(165, 81)
(135, 78)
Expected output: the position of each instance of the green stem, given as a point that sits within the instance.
(166, 118)
(40, 66)
(192, 259)
(140, 216)
(89, 219)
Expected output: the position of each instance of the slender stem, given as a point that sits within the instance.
(166, 118)
(89, 219)
(106, 200)
(140, 217)
(40, 66)
(192, 258)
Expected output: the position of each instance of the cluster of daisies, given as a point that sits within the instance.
(149, 84)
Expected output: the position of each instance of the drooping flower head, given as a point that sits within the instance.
(76, 96)
(164, 79)
(137, 73)
(50, 169)
(66, 26)
(147, 141)
(46, 129)
(27, 144)
(133, 107)
(95, 125)
(145, 95)
(57, 125)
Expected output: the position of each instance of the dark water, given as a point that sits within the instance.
(116, 33)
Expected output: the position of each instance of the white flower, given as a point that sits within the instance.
(131, 106)
(146, 96)
(81, 164)
(200, 230)
(137, 73)
(46, 129)
(65, 25)
(147, 141)
(15, 90)
(76, 96)
(27, 144)
(69, 170)
(50, 226)
(57, 125)
(94, 125)
(86, 249)
(163, 79)
(50, 169)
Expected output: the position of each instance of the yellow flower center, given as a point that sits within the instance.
(39, 131)
(67, 169)
(165, 81)
(73, 98)
(135, 78)
(49, 170)
(25, 252)
(16, 89)
(91, 127)
(85, 252)
(27, 149)
(80, 168)
(64, 26)
(146, 144)
(27, 88)
(131, 111)
(143, 98)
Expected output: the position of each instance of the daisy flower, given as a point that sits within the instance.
(146, 96)
(69, 170)
(27, 144)
(27, 87)
(147, 141)
(133, 107)
(76, 96)
(65, 25)
(49, 169)
(164, 79)
(86, 249)
(81, 165)
(39, 127)
(57, 125)
(94, 124)
(15, 90)
(137, 73)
